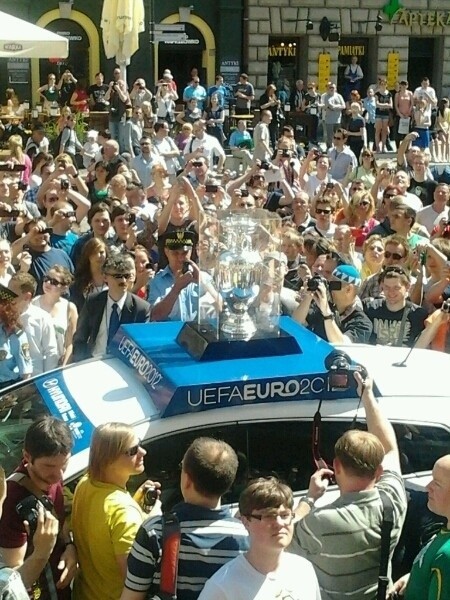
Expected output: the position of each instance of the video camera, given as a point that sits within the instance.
(313, 284)
(340, 371)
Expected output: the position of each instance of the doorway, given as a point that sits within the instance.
(182, 57)
(348, 47)
(421, 59)
(78, 60)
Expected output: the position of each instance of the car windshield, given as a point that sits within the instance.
(18, 409)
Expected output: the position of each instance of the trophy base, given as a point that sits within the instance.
(238, 327)
(202, 343)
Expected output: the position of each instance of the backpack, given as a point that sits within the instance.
(55, 145)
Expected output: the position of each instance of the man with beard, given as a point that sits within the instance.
(47, 448)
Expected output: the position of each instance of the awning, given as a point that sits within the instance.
(21, 39)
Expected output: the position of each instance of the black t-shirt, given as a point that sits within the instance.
(354, 125)
(356, 325)
(383, 98)
(98, 94)
(387, 323)
(423, 190)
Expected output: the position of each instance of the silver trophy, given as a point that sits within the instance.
(238, 274)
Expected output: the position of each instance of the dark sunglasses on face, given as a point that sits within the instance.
(394, 255)
(364, 203)
(120, 275)
(133, 450)
(336, 137)
(52, 281)
(323, 211)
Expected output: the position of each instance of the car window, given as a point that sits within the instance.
(283, 449)
(18, 409)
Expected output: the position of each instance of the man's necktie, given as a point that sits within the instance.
(114, 322)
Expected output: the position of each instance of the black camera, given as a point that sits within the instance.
(65, 184)
(28, 509)
(313, 283)
(150, 496)
(340, 371)
(446, 306)
(265, 165)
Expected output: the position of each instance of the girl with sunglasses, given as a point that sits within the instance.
(366, 171)
(64, 314)
(359, 214)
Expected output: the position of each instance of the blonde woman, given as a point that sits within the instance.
(102, 504)
(18, 156)
(373, 256)
(359, 215)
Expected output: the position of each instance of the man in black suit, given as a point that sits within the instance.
(103, 313)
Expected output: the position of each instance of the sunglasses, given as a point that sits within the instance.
(134, 449)
(364, 203)
(394, 255)
(120, 275)
(53, 281)
(336, 137)
(323, 211)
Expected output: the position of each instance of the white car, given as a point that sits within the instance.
(263, 407)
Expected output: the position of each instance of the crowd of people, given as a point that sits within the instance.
(359, 254)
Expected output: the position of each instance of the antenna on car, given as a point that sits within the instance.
(403, 362)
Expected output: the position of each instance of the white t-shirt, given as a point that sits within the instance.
(294, 579)
(429, 218)
(210, 145)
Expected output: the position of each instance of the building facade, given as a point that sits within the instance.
(285, 41)
(213, 42)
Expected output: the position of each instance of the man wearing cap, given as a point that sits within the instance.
(333, 311)
(175, 290)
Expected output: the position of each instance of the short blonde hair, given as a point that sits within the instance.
(109, 441)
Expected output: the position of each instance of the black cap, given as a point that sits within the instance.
(179, 240)
(6, 295)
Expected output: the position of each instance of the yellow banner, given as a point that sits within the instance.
(324, 71)
(393, 64)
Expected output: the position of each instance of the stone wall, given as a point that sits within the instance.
(356, 17)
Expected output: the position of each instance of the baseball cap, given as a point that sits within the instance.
(179, 240)
(347, 274)
(6, 295)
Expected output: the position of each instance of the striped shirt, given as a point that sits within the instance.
(343, 539)
(209, 539)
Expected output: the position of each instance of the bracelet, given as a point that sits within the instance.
(308, 501)
(328, 317)
(69, 543)
(76, 175)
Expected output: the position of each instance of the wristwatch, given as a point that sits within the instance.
(308, 501)
(328, 317)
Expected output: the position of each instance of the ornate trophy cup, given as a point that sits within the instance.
(238, 276)
(238, 316)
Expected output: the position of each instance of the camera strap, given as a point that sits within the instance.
(317, 458)
(386, 529)
(171, 538)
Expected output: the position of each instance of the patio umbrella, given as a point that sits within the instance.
(122, 22)
(21, 39)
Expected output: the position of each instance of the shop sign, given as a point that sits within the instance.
(352, 50)
(428, 18)
(12, 47)
(283, 50)
(69, 36)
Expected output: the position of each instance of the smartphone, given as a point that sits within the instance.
(245, 193)
(48, 230)
(285, 153)
(329, 186)
(186, 267)
(70, 213)
(9, 213)
(265, 165)
(131, 218)
(149, 265)
(211, 189)
(16, 168)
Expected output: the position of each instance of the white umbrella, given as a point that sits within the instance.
(122, 22)
(21, 39)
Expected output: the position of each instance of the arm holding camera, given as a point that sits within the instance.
(332, 330)
(378, 424)
(82, 204)
(44, 540)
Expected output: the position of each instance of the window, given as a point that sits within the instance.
(283, 449)
(18, 409)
